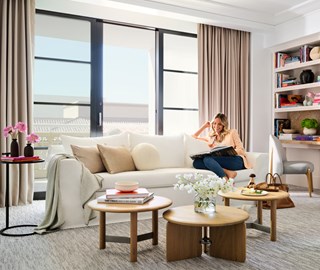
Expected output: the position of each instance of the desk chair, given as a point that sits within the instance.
(279, 164)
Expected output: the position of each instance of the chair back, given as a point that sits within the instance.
(277, 155)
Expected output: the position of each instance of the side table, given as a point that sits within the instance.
(3, 231)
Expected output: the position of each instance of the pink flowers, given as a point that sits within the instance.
(33, 138)
(20, 127)
(14, 130)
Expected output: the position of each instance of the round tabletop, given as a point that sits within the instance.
(22, 161)
(270, 196)
(224, 216)
(154, 204)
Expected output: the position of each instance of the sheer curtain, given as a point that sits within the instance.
(224, 56)
(16, 62)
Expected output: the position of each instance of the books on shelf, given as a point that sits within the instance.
(126, 200)
(138, 193)
(217, 151)
(19, 159)
(288, 137)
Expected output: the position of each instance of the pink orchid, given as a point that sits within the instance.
(33, 138)
(14, 130)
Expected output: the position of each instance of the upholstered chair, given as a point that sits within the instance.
(279, 164)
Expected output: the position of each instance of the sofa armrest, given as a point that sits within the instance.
(260, 164)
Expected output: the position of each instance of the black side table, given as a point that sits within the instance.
(2, 231)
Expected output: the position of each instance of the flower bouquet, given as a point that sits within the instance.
(205, 188)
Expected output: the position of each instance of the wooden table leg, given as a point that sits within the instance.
(155, 227)
(226, 202)
(259, 212)
(133, 236)
(273, 221)
(102, 230)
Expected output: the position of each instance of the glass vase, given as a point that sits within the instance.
(28, 150)
(204, 204)
(14, 148)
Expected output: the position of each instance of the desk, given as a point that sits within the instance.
(8, 163)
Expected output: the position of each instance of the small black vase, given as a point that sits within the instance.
(14, 148)
(306, 76)
(28, 150)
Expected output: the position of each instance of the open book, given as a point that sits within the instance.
(217, 151)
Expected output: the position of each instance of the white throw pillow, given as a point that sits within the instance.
(170, 147)
(193, 146)
(146, 157)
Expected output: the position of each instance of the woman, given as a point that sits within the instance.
(221, 135)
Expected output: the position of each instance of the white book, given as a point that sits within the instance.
(287, 137)
(103, 199)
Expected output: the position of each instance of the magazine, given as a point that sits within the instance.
(217, 151)
(103, 199)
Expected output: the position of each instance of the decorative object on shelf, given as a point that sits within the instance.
(308, 99)
(306, 76)
(28, 149)
(309, 126)
(315, 53)
(14, 148)
(13, 132)
(205, 188)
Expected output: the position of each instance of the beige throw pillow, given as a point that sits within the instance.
(146, 157)
(89, 156)
(116, 158)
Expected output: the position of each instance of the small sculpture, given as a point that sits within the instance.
(308, 100)
(251, 183)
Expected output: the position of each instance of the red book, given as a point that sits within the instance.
(138, 193)
(19, 159)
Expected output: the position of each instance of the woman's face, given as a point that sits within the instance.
(217, 125)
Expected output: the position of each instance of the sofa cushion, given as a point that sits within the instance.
(116, 158)
(158, 178)
(114, 140)
(89, 156)
(145, 156)
(193, 146)
(170, 148)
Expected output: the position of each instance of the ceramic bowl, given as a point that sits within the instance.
(289, 131)
(126, 186)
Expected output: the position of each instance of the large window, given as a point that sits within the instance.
(180, 83)
(94, 77)
(128, 79)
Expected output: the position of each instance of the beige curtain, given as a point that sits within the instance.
(224, 56)
(16, 64)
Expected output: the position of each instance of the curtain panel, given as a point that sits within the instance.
(16, 65)
(224, 73)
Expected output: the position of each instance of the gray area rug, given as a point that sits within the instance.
(297, 245)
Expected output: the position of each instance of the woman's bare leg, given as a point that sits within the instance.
(230, 174)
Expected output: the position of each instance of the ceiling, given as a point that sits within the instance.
(257, 14)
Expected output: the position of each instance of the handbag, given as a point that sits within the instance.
(274, 186)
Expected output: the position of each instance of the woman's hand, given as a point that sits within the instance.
(207, 124)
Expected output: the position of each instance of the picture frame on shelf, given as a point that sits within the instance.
(280, 124)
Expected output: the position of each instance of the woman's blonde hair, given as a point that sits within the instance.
(225, 123)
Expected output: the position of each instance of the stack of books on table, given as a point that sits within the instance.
(19, 159)
(138, 196)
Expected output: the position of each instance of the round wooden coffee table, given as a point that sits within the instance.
(271, 196)
(133, 209)
(227, 233)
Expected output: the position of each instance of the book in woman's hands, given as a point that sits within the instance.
(217, 151)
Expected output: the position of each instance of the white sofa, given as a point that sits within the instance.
(174, 152)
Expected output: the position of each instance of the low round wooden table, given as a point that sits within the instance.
(153, 205)
(227, 233)
(271, 196)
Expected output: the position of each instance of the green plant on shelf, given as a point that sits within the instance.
(309, 123)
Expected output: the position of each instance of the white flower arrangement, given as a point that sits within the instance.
(203, 186)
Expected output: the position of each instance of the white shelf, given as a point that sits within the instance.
(297, 66)
(298, 109)
(297, 87)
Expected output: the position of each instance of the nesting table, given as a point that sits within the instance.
(273, 197)
(153, 205)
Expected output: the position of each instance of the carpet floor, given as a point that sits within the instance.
(297, 245)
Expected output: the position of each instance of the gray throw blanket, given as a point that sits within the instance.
(53, 218)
